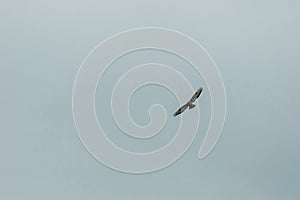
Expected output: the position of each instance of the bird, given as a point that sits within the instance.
(189, 104)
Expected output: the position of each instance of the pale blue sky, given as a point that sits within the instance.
(256, 46)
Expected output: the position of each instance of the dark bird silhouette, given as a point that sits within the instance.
(189, 104)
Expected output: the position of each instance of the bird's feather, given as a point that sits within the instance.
(181, 109)
(196, 95)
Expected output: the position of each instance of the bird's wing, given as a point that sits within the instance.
(181, 109)
(196, 95)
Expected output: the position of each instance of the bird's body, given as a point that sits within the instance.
(189, 104)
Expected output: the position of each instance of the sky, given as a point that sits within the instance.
(255, 45)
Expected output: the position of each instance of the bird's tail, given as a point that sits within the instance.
(191, 105)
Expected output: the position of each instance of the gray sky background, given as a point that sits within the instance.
(256, 46)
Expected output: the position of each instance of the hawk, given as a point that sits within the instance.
(189, 104)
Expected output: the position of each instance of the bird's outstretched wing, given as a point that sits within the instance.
(181, 109)
(196, 95)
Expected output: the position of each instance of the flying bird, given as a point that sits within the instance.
(189, 104)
